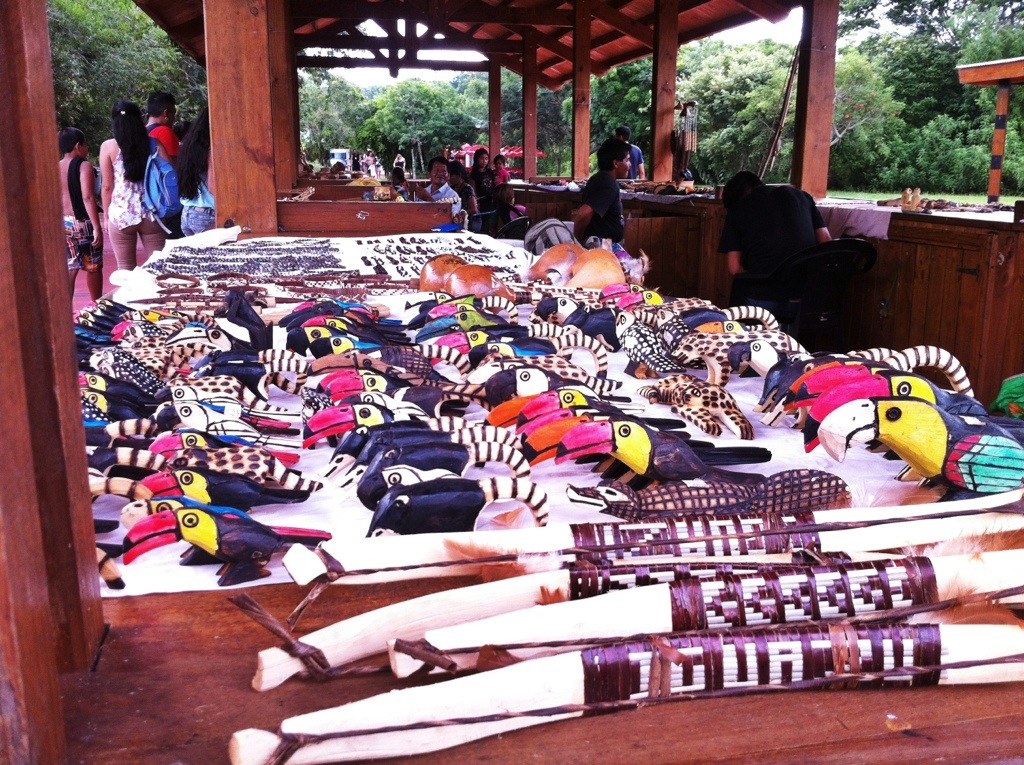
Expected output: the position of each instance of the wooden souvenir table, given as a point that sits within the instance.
(172, 683)
(949, 279)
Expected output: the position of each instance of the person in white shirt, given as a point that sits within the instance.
(438, 188)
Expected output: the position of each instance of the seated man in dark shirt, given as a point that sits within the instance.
(600, 212)
(764, 225)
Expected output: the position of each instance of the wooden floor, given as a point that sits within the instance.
(172, 683)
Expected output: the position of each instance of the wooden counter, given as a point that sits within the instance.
(939, 280)
(360, 218)
(330, 191)
(173, 683)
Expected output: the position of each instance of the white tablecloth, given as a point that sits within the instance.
(341, 514)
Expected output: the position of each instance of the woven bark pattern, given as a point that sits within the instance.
(711, 661)
(777, 596)
(701, 536)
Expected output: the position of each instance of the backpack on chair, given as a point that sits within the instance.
(547, 233)
(160, 187)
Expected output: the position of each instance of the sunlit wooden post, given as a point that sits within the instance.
(284, 95)
(51, 618)
(663, 89)
(241, 120)
(529, 105)
(494, 107)
(581, 90)
(815, 94)
(1002, 74)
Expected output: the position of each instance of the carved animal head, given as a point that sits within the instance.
(611, 497)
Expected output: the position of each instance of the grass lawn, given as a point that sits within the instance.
(973, 199)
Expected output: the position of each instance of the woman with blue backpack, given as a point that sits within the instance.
(194, 178)
(123, 162)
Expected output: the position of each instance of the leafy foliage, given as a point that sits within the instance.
(418, 118)
(739, 93)
(622, 97)
(901, 117)
(331, 110)
(105, 50)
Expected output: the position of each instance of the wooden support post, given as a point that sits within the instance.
(815, 94)
(241, 121)
(581, 90)
(51, 618)
(284, 95)
(995, 173)
(494, 107)
(663, 89)
(529, 105)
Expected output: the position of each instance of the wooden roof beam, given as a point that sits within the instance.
(468, 14)
(522, 17)
(562, 54)
(341, 34)
(553, 44)
(515, 64)
(769, 10)
(621, 22)
(194, 27)
(349, 62)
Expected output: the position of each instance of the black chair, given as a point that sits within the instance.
(813, 283)
(483, 223)
(514, 229)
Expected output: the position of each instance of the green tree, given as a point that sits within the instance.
(739, 92)
(864, 115)
(331, 110)
(418, 118)
(921, 71)
(105, 50)
(929, 17)
(554, 131)
(622, 97)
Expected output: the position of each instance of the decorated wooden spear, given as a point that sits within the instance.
(624, 675)
(390, 558)
(722, 601)
(848, 588)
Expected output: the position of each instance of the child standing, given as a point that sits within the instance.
(83, 234)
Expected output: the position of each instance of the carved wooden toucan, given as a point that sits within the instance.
(213, 488)
(651, 453)
(968, 455)
(217, 535)
(599, 323)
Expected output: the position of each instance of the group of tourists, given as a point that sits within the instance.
(483, 188)
(140, 145)
(141, 141)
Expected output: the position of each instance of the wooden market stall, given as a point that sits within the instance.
(253, 98)
(354, 217)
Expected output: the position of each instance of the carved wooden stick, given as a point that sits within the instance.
(725, 601)
(391, 558)
(442, 715)
(363, 635)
